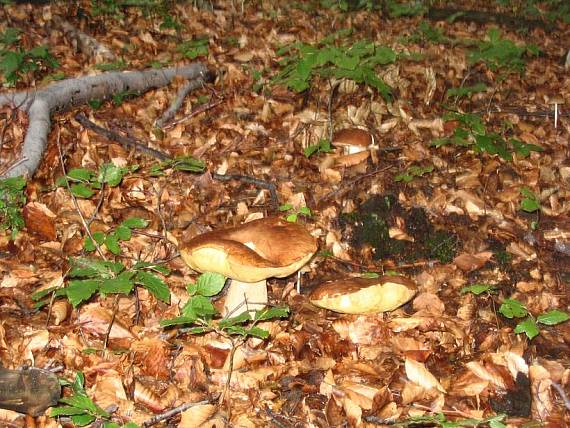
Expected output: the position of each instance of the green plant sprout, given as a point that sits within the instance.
(512, 308)
(12, 200)
(195, 48)
(81, 409)
(439, 419)
(413, 172)
(15, 62)
(180, 163)
(94, 276)
(83, 182)
(472, 133)
(323, 146)
(529, 202)
(478, 289)
(466, 91)
(200, 312)
(123, 232)
(293, 214)
(302, 62)
(497, 53)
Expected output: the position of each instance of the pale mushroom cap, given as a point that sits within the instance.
(251, 252)
(364, 295)
(352, 140)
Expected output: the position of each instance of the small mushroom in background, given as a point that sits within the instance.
(248, 254)
(556, 101)
(364, 295)
(356, 145)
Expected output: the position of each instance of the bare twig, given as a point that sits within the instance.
(175, 106)
(172, 412)
(121, 139)
(199, 109)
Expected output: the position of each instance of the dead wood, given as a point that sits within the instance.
(40, 104)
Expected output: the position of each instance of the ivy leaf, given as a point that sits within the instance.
(553, 317)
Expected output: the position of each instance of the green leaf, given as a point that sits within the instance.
(189, 164)
(272, 313)
(528, 327)
(151, 266)
(530, 205)
(305, 211)
(239, 319)
(178, 321)
(111, 174)
(478, 289)
(82, 420)
(122, 284)
(199, 306)
(66, 411)
(80, 290)
(154, 285)
(285, 207)
(513, 309)
(123, 233)
(553, 317)
(88, 268)
(112, 243)
(466, 90)
(80, 174)
(135, 223)
(242, 331)
(81, 190)
(210, 284)
(292, 218)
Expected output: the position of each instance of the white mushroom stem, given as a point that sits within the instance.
(245, 296)
(555, 115)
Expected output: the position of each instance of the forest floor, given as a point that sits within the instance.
(465, 191)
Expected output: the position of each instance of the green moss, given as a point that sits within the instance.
(441, 245)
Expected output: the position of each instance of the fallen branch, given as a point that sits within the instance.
(130, 143)
(175, 106)
(40, 104)
(84, 42)
(172, 412)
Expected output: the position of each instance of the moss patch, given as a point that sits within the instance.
(369, 227)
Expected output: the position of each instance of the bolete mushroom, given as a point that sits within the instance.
(355, 144)
(364, 295)
(248, 254)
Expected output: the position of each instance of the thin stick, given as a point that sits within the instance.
(172, 412)
(175, 106)
(200, 109)
(121, 139)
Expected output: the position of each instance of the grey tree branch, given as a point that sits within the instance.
(40, 104)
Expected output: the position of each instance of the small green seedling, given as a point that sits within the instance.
(323, 146)
(413, 172)
(180, 163)
(84, 182)
(169, 22)
(530, 202)
(471, 132)
(293, 213)
(120, 97)
(15, 62)
(195, 48)
(123, 232)
(200, 312)
(12, 200)
(303, 62)
(478, 289)
(397, 9)
(466, 91)
(497, 53)
(512, 308)
(91, 276)
(439, 419)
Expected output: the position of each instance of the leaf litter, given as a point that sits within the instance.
(467, 193)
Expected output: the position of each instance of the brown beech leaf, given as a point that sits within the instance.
(40, 220)
(197, 416)
(468, 262)
(420, 375)
(95, 320)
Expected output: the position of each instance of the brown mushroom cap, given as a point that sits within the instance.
(352, 140)
(364, 295)
(251, 252)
